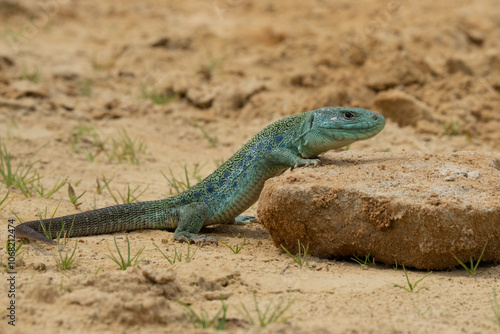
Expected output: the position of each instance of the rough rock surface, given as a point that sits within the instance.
(413, 208)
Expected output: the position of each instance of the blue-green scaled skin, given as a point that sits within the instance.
(291, 142)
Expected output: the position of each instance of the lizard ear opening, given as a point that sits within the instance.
(300, 141)
(310, 121)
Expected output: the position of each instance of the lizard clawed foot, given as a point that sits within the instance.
(202, 240)
(198, 240)
(306, 163)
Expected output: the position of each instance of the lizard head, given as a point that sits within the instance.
(329, 128)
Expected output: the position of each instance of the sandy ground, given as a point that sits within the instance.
(195, 80)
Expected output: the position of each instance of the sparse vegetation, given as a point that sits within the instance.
(156, 97)
(4, 199)
(24, 177)
(472, 270)
(177, 257)
(46, 232)
(130, 261)
(428, 311)
(33, 75)
(213, 141)
(203, 320)
(55, 188)
(364, 263)
(179, 184)
(236, 248)
(73, 197)
(412, 287)
(451, 128)
(86, 139)
(123, 148)
(128, 196)
(126, 149)
(264, 318)
(86, 88)
(300, 258)
(67, 261)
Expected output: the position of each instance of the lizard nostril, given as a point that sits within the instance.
(375, 117)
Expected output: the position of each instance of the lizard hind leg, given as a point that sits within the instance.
(191, 219)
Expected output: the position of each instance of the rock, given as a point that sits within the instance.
(402, 108)
(400, 208)
(456, 65)
(231, 97)
(63, 101)
(201, 97)
(392, 73)
(29, 105)
(170, 43)
(6, 61)
(303, 78)
(159, 276)
(24, 88)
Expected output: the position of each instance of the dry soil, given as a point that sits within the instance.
(193, 81)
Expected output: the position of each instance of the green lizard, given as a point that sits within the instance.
(291, 142)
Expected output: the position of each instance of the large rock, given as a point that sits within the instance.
(412, 208)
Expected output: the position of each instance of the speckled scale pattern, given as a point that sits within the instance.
(237, 183)
(234, 186)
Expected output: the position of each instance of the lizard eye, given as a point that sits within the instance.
(348, 115)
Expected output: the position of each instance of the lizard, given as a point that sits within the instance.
(291, 142)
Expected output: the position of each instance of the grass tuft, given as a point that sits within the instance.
(366, 262)
(213, 141)
(178, 255)
(300, 258)
(264, 318)
(24, 177)
(73, 197)
(86, 88)
(236, 248)
(156, 97)
(203, 320)
(67, 261)
(180, 184)
(127, 197)
(121, 262)
(34, 76)
(472, 270)
(126, 149)
(412, 287)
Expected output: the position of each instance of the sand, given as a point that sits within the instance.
(193, 81)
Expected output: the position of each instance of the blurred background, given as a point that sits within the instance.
(432, 68)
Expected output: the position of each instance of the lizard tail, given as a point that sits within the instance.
(118, 218)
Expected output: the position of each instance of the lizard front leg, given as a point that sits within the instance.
(288, 158)
(191, 219)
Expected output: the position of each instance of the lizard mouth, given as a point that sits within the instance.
(360, 130)
(376, 124)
